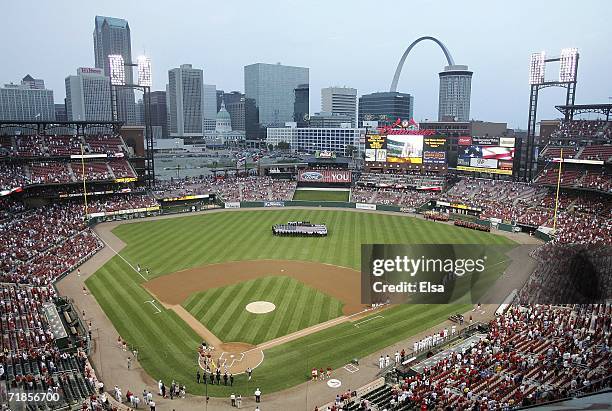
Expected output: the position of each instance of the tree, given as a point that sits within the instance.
(283, 145)
(350, 150)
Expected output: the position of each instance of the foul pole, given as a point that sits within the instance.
(557, 196)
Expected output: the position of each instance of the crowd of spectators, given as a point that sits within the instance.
(530, 355)
(61, 145)
(231, 188)
(29, 359)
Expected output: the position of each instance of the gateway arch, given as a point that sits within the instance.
(454, 104)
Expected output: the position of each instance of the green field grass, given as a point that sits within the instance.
(222, 310)
(168, 346)
(321, 195)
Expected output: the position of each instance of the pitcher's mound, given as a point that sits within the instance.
(260, 307)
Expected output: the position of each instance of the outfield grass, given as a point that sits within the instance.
(168, 346)
(321, 195)
(298, 306)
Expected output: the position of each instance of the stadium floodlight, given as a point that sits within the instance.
(117, 69)
(537, 68)
(567, 69)
(144, 71)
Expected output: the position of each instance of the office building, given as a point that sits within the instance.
(385, 107)
(60, 112)
(159, 114)
(311, 139)
(340, 101)
(455, 92)
(26, 101)
(235, 105)
(209, 106)
(88, 95)
(112, 36)
(185, 100)
(330, 120)
(301, 105)
(272, 87)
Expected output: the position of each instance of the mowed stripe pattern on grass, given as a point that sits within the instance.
(168, 345)
(298, 306)
(167, 246)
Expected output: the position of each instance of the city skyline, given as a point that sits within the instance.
(496, 47)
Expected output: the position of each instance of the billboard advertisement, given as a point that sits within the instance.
(464, 141)
(434, 150)
(376, 148)
(405, 148)
(324, 176)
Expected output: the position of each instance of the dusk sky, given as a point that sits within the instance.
(344, 43)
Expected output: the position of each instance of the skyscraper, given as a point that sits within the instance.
(235, 105)
(272, 88)
(88, 96)
(301, 109)
(159, 114)
(112, 36)
(340, 101)
(185, 100)
(455, 91)
(385, 107)
(209, 106)
(26, 101)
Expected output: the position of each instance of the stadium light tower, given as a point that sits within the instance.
(568, 73)
(144, 71)
(117, 79)
(117, 69)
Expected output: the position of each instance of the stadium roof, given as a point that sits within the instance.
(575, 109)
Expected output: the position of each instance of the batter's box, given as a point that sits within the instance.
(351, 368)
(231, 358)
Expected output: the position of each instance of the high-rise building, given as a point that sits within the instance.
(455, 91)
(220, 94)
(385, 107)
(209, 106)
(309, 139)
(26, 101)
(340, 101)
(112, 36)
(88, 95)
(235, 105)
(185, 101)
(60, 112)
(159, 114)
(273, 90)
(301, 109)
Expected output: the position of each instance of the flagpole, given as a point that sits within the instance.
(84, 185)
(557, 196)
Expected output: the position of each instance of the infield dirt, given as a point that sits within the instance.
(339, 282)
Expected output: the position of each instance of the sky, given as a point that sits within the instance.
(343, 42)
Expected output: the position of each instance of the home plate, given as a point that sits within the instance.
(351, 368)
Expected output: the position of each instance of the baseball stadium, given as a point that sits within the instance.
(250, 285)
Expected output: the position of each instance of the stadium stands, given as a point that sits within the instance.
(530, 355)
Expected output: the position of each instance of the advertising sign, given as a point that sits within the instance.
(324, 176)
(364, 206)
(233, 204)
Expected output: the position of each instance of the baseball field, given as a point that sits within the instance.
(205, 269)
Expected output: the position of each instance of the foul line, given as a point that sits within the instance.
(120, 256)
(152, 302)
(369, 319)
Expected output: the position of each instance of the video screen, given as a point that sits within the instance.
(405, 148)
(488, 159)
